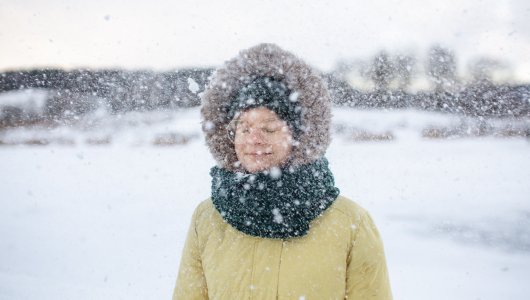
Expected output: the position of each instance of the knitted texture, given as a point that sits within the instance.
(279, 203)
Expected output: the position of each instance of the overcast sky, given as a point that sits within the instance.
(165, 35)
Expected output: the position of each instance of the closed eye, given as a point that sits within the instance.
(270, 130)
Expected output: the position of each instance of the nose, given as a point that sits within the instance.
(256, 137)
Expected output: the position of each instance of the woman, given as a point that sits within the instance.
(275, 226)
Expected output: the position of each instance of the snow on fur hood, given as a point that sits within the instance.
(271, 61)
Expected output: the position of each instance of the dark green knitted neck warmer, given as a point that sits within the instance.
(279, 203)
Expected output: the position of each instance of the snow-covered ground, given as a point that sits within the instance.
(81, 221)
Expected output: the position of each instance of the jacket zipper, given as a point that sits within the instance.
(279, 267)
(253, 266)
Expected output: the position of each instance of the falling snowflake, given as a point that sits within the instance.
(193, 86)
(278, 218)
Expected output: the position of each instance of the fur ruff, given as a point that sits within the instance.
(272, 61)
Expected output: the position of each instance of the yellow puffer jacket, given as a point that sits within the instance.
(341, 257)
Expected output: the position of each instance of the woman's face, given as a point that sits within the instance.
(262, 140)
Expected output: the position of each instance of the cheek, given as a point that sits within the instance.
(283, 148)
(239, 150)
(286, 145)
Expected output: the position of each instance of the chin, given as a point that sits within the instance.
(256, 167)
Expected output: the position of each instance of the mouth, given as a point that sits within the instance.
(259, 154)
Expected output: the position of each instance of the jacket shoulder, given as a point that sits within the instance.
(204, 208)
(348, 208)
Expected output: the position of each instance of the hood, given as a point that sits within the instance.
(267, 60)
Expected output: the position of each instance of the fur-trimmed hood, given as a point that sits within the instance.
(268, 60)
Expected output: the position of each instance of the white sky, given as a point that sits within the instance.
(168, 34)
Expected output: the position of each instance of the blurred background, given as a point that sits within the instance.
(102, 159)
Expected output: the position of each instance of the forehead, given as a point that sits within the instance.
(258, 115)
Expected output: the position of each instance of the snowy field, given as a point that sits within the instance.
(81, 221)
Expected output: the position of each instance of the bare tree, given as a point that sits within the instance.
(483, 68)
(404, 66)
(441, 68)
(382, 71)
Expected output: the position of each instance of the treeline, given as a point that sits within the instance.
(479, 99)
(120, 90)
(77, 92)
(390, 77)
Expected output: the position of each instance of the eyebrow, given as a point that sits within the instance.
(238, 122)
(270, 120)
